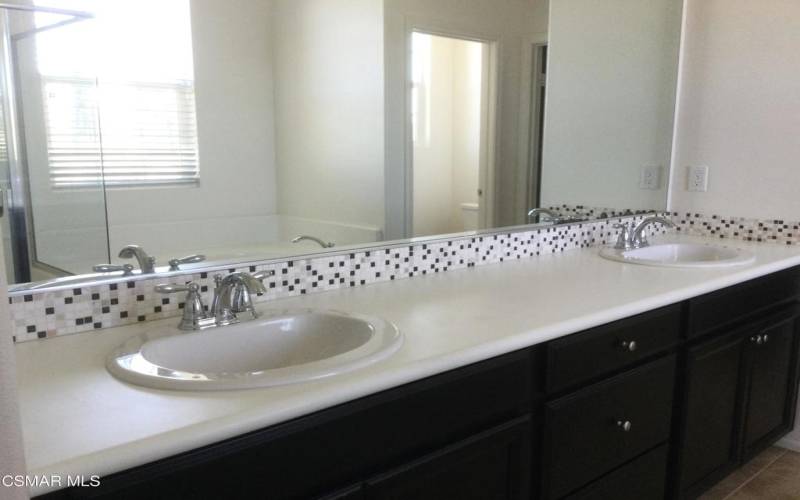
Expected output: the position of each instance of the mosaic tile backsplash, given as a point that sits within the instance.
(780, 231)
(45, 314)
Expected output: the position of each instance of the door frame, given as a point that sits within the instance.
(399, 168)
(528, 175)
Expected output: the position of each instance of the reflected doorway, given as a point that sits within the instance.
(536, 127)
(449, 133)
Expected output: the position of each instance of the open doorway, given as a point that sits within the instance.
(450, 121)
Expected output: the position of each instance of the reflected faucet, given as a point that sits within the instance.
(323, 244)
(555, 217)
(146, 263)
(538, 212)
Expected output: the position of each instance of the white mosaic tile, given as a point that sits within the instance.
(738, 228)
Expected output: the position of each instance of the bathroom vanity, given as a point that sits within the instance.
(675, 384)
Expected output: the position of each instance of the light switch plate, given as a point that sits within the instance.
(698, 178)
(650, 177)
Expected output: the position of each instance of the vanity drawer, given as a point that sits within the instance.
(585, 434)
(644, 477)
(605, 349)
(730, 305)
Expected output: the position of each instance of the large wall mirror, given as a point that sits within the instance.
(255, 129)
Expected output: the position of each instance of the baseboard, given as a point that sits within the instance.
(789, 443)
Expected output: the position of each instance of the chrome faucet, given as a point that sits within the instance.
(323, 244)
(233, 295)
(554, 217)
(632, 236)
(195, 316)
(146, 263)
(538, 212)
(125, 269)
(175, 264)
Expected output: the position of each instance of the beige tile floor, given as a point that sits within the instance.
(772, 475)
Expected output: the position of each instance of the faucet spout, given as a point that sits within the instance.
(537, 214)
(146, 263)
(638, 237)
(323, 244)
(233, 294)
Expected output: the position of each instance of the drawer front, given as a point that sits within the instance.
(643, 478)
(730, 305)
(494, 464)
(586, 435)
(611, 347)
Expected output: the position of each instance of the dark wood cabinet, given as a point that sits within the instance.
(708, 445)
(593, 431)
(771, 388)
(739, 397)
(491, 465)
(642, 479)
(587, 356)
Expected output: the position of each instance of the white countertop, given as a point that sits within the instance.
(78, 419)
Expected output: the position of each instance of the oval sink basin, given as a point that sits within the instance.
(681, 255)
(282, 348)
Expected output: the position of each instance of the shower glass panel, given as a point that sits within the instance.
(56, 193)
(5, 186)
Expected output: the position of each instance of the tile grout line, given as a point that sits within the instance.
(758, 473)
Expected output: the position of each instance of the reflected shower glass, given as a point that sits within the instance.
(60, 143)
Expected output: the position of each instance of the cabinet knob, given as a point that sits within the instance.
(625, 425)
(629, 345)
(766, 338)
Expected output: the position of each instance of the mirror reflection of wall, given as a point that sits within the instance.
(611, 84)
(234, 127)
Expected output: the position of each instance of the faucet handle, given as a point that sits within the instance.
(262, 275)
(127, 269)
(174, 264)
(624, 238)
(194, 310)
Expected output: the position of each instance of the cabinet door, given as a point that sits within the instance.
(771, 389)
(713, 380)
(589, 433)
(492, 465)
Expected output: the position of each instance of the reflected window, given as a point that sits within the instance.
(125, 115)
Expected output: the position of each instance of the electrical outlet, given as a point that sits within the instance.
(698, 179)
(650, 177)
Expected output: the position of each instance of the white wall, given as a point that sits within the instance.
(739, 110)
(610, 101)
(328, 58)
